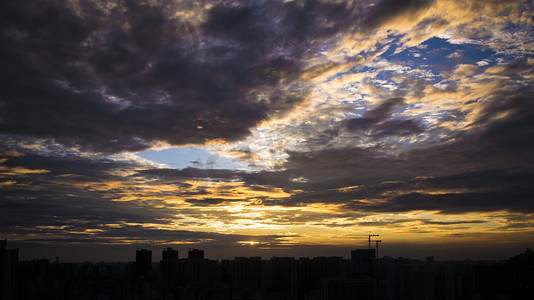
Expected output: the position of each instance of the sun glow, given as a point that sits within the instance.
(248, 243)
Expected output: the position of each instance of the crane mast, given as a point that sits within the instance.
(377, 241)
(370, 235)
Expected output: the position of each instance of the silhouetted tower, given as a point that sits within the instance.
(143, 261)
(195, 254)
(363, 284)
(3, 244)
(8, 267)
(169, 255)
(521, 275)
(168, 266)
(283, 276)
(363, 262)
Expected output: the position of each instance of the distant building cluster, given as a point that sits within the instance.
(363, 276)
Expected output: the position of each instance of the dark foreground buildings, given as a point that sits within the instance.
(8, 266)
(361, 277)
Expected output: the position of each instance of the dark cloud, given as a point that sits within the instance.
(64, 189)
(208, 201)
(141, 235)
(397, 222)
(398, 128)
(458, 203)
(213, 174)
(378, 121)
(372, 117)
(515, 131)
(470, 174)
(456, 194)
(386, 10)
(402, 222)
(429, 222)
(82, 168)
(487, 168)
(48, 208)
(118, 80)
(392, 180)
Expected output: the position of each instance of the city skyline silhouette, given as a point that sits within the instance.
(362, 276)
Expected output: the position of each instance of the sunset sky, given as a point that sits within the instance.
(266, 128)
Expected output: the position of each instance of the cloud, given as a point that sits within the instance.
(351, 114)
(452, 222)
(137, 235)
(375, 122)
(121, 79)
(385, 11)
(470, 172)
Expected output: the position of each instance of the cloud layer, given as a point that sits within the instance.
(111, 77)
(395, 116)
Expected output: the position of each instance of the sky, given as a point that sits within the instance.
(267, 128)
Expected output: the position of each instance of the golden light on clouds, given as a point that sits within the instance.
(268, 125)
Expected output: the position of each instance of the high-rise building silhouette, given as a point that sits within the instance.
(363, 262)
(8, 267)
(169, 254)
(195, 254)
(284, 275)
(248, 273)
(169, 268)
(2, 257)
(363, 284)
(143, 261)
(169, 264)
(521, 275)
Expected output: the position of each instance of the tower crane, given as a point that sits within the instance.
(377, 241)
(370, 235)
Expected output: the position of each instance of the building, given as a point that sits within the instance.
(363, 274)
(195, 254)
(520, 269)
(143, 261)
(8, 268)
(363, 263)
(169, 264)
(168, 268)
(283, 281)
(347, 289)
(169, 255)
